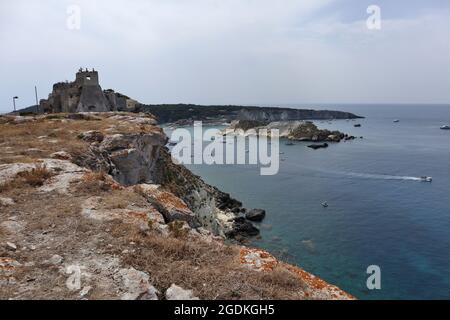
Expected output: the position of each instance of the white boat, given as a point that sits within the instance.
(396, 120)
(426, 179)
(445, 127)
(325, 204)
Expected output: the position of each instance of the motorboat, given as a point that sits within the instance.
(325, 204)
(396, 121)
(426, 179)
(445, 127)
(289, 143)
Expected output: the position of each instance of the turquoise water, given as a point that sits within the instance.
(378, 214)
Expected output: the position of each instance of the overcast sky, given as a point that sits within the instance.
(231, 51)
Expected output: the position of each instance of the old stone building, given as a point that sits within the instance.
(85, 95)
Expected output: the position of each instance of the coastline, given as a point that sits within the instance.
(68, 171)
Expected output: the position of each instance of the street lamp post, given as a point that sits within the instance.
(14, 102)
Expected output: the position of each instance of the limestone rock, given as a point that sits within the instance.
(170, 206)
(6, 202)
(177, 293)
(54, 260)
(11, 246)
(137, 285)
(134, 155)
(61, 155)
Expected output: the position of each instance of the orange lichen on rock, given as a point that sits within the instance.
(318, 286)
(257, 259)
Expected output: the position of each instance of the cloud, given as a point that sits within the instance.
(234, 51)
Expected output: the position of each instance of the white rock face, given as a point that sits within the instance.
(177, 293)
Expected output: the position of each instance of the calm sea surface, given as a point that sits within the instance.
(378, 213)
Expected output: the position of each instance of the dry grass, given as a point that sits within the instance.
(212, 271)
(177, 229)
(36, 176)
(33, 178)
(55, 132)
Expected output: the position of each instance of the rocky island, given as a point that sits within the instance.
(292, 130)
(92, 207)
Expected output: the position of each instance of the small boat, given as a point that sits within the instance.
(325, 204)
(357, 125)
(426, 179)
(396, 120)
(445, 127)
(289, 143)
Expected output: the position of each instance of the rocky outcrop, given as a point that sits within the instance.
(215, 210)
(293, 130)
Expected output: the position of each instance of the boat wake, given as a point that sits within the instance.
(380, 176)
(350, 174)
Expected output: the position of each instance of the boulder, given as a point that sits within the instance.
(256, 215)
(241, 229)
(137, 286)
(177, 293)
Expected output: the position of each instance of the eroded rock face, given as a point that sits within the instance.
(134, 156)
(214, 209)
(172, 207)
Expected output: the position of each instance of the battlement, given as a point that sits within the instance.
(87, 78)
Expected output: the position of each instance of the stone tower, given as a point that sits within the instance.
(92, 98)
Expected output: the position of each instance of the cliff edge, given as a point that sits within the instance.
(93, 208)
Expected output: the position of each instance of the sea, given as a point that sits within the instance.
(379, 211)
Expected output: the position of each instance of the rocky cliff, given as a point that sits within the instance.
(183, 112)
(94, 208)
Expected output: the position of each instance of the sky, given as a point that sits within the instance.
(230, 51)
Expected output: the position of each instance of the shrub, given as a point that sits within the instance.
(36, 176)
(177, 229)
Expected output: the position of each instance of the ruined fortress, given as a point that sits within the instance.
(85, 95)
